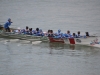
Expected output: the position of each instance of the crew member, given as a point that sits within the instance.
(7, 24)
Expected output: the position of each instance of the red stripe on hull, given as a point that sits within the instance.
(59, 40)
(71, 40)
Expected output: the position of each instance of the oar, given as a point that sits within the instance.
(14, 40)
(36, 42)
(24, 41)
(95, 35)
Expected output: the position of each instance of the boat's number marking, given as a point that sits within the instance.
(78, 40)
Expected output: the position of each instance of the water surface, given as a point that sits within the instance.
(18, 58)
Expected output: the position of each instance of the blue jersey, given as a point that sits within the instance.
(7, 24)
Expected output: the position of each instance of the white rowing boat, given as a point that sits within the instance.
(89, 41)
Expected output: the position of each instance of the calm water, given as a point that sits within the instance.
(18, 58)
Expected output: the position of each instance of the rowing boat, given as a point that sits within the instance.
(89, 41)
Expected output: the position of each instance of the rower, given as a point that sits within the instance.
(59, 32)
(87, 34)
(7, 24)
(74, 35)
(78, 34)
(50, 33)
(37, 30)
(30, 31)
(62, 35)
(17, 31)
(68, 34)
(23, 31)
(41, 32)
(56, 35)
(27, 30)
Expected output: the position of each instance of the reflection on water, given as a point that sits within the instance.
(54, 48)
(69, 50)
(67, 46)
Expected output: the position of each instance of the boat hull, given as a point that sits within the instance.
(89, 41)
(24, 37)
(58, 40)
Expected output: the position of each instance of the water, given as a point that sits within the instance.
(48, 59)
(18, 58)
